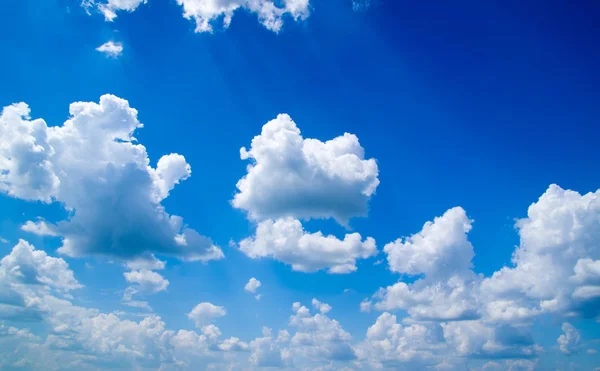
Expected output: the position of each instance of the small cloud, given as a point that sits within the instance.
(3, 240)
(258, 296)
(111, 49)
(347, 291)
(40, 228)
(365, 306)
(591, 351)
(252, 285)
(378, 262)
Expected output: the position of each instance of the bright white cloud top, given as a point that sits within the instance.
(290, 176)
(93, 166)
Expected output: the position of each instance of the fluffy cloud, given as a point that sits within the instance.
(556, 264)
(204, 313)
(147, 280)
(93, 166)
(111, 49)
(305, 178)
(36, 287)
(287, 241)
(441, 252)
(252, 285)
(318, 337)
(270, 13)
(40, 228)
(569, 342)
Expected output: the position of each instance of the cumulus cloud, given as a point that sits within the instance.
(319, 337)
(305, 178)
(271, 14)
(204, 313)
(37, 287)
(287, 241)
(252, 285)
(93, 166)
(40, 228)
(569, 341)
(442, 253)
(111, 49)
(555, 265)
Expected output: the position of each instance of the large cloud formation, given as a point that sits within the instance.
(93, 166)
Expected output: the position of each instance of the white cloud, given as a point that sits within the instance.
(40, 228)
(439, 250)
(93, 166)
(270, 14)
(286, 240)
(390, 345)
(305, 178)
(111, 49)
(146, 280)
(555, 265)
(318, 337)
(252, 285)
(442, 252)
(109, 8)
(3, 240)
(205, 313)
(366, 305)
(569, 342)
(322, 307)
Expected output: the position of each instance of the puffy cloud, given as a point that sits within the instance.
(442, 252)
(146, 280)
(318, 337)
(569, 342)
(3, 240)
(439, 250)
(252, 285)
(111, 49)
(40, 228)
(270, 13)
(322, 307)
(204, 313)
(555, 264)
(93, 166)
(287, 241)
(80, 338)
(268, 351)
(305, 178)
(388, 344)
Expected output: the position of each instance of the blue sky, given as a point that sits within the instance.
(481, 119)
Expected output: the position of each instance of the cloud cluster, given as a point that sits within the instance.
(270, 13)
(93, 166)
(292, 178)
(555, 271)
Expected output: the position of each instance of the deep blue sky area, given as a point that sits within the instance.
(478, 104)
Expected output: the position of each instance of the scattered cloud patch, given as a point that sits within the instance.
(271, 14)
(569, 341)
(111, 49)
